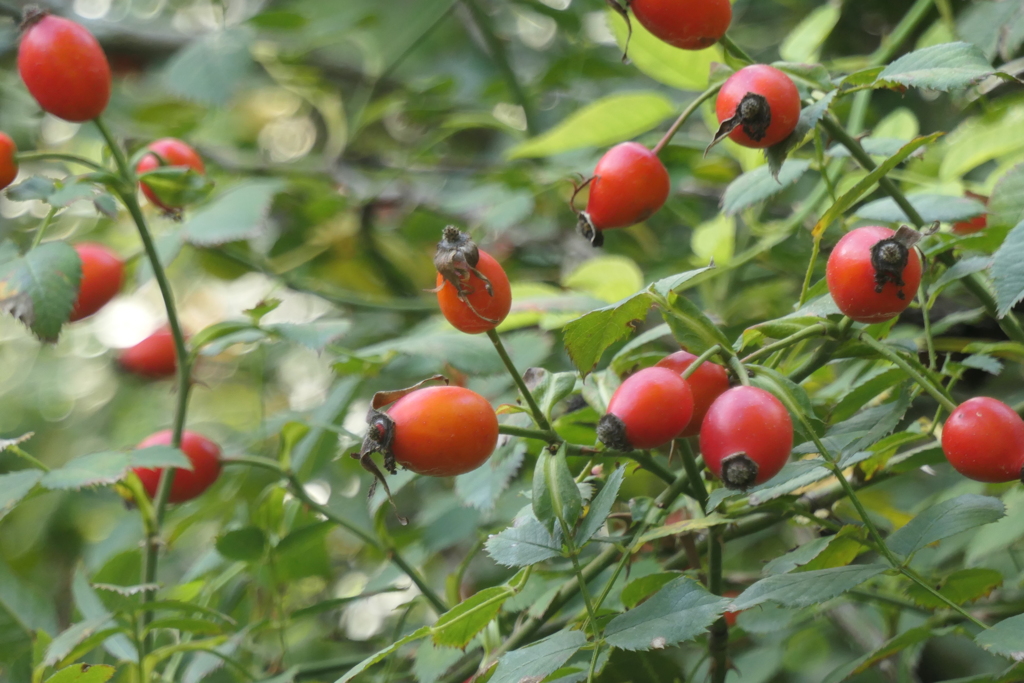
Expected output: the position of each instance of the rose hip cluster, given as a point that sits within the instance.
(746, 433)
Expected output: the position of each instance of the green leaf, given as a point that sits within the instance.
(83, 673)
(638, 590)
(679, 612)
(897, 644)
(177, 185)
(382, 654)
(683, 527)
(316, 335)
(1006, 205)
(40, 288)
(303, 552)
(70, 193)
(535, 662)
(240, 213)
(95, 469)
(210, 69)
(608, 278)
(33, 187)
(556, 498)
(525, 543)
(803, 589)
(943, 520)
(804, 42)
(480, 488)
(14, 486)
(63, 644)
(106, 205)
(676, 68)
(692, 329)
(799, 557)
(600, 508)
(244, 545)
(962, 586)
(843, 204)
(1005, 638)
(932, 207)
(191, 625)
(26, 608)
(459, 625)
(586, 338)
(758, 185)
(607, 121)
(951, 66)
(1008, 270)
(159, 456)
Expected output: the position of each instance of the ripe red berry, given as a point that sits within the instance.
(983, 439)
(872, 276)
(975, 224)
(758, 106)
(629, 185)
(443, 431)
(153, 357)
(8, 164)
(707, 383)
(485, 309)
(64, 68)
(687, 24)
(204, 455)
(648, 410)
(746, 437)
(102, 273)
(174, 153)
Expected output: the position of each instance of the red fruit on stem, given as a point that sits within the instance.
(629, 185)
(485, 309)
(648, 410)
(871, 276)
(759, 106)
(102, 274)
(175, 153)
(707, 383)
(153, 357)
(686, 24)
(8, 164)
(746, 437)
(983, 439)
(975, 224)
(204, 455)
(443, 431)
(64, 68)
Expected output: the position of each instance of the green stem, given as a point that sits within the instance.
(806, 333)
(891, 44)
(538, 416)
(300, 492)
(700, 360)
(126, 191)
(573, 552)
(735, 50)
(31, 459)
(700, 490)
(593, 663)
(718, 638)
(815, 250)
(822, 354)
(643, 459)
(741, 372)
(500, 58)
(43, 226)
(687, 113)
(926, 315)
(926, 384)
(511, 430)
(54, 156)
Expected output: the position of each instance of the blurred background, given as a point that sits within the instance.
(361, 128)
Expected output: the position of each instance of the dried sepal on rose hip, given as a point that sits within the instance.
(472, 289)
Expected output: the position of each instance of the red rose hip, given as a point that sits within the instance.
(443, 431)
(686, 24)
(153, 357)
(746, 437)
(629, 185)
(707, 383)
(175, 153)
(204, 455)
(758, 106)
(871, 275)
(8, 163)
(648, 410)
(983, 439)
(102, 274)
(64, 68)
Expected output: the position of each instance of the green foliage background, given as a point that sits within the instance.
(342, 136)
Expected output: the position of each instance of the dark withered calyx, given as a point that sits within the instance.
(611, 431)
(753, 115)
(455, 260)
(739, 471)
(889, 258)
